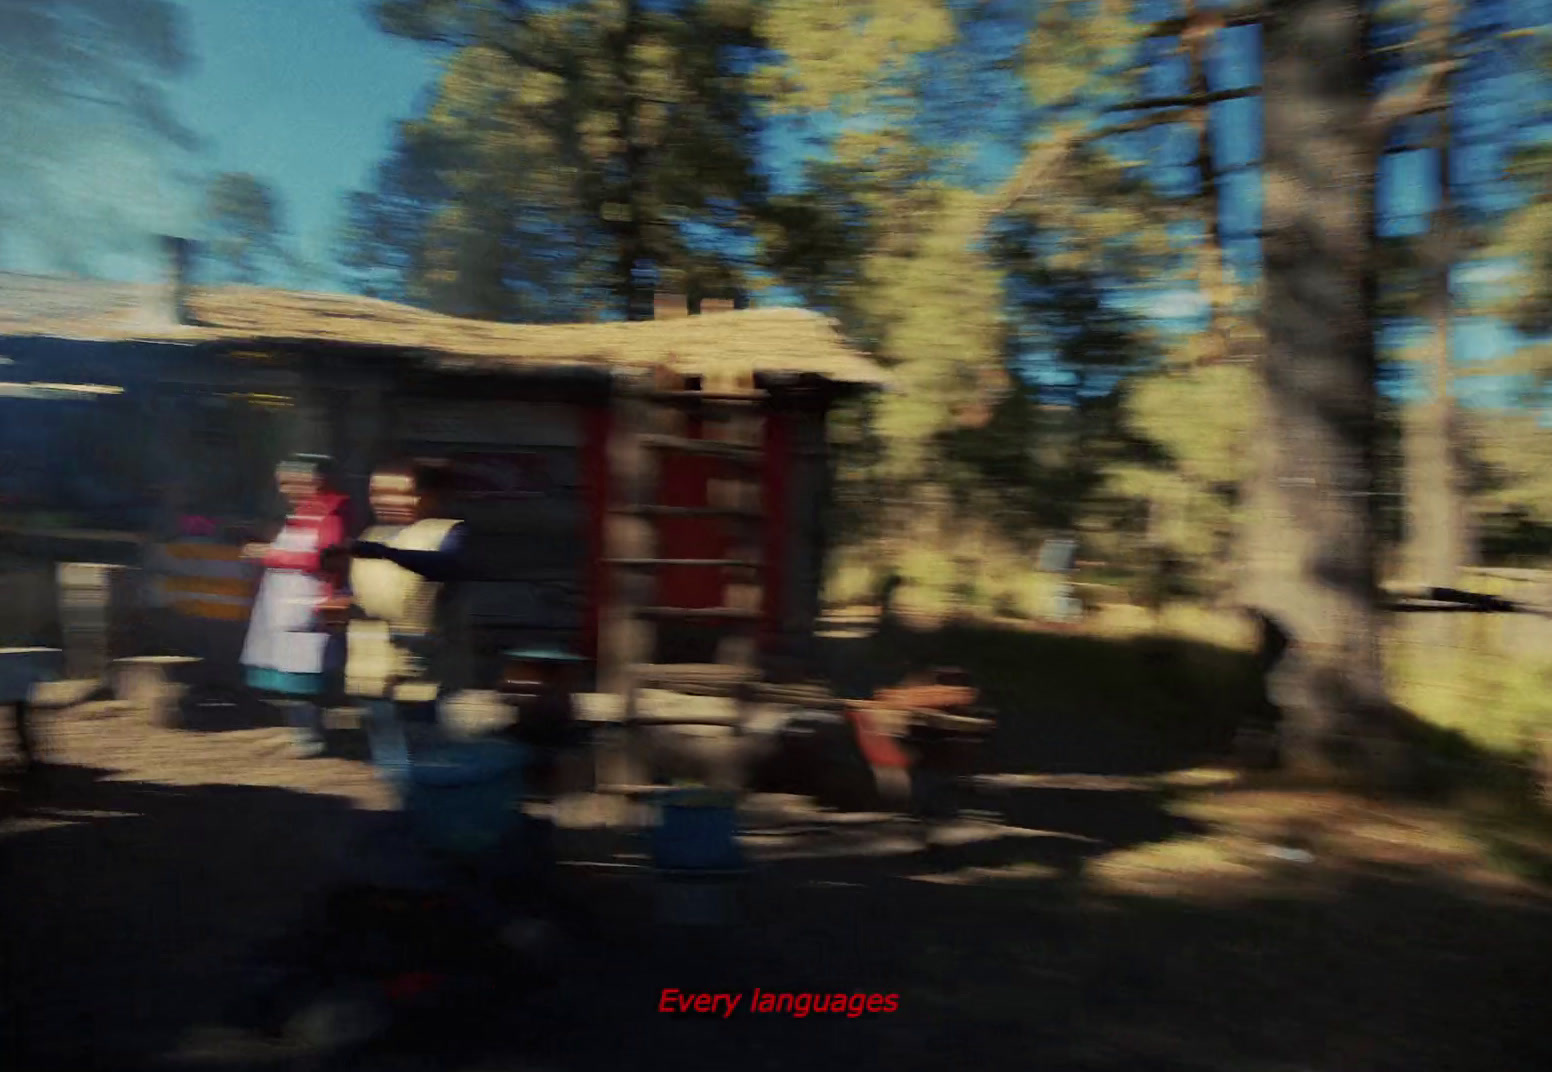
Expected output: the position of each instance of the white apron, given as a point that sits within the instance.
(404, 648)
(282, 633)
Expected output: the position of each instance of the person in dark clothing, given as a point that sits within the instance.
(402, 497)
(407, 639)
(26, 736)
(23, 670)
(1256, 743)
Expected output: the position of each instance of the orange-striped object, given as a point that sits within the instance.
(203, 580)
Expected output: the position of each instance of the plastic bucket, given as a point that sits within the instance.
(697, 830)
(463, 797)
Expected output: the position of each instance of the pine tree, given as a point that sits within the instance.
(912, 278)
(245, 227)
(1137, 130)
(559, 130)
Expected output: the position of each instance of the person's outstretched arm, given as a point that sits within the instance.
(444, 565)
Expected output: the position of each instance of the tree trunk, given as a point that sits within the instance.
(1318, 372)
(1440, 542)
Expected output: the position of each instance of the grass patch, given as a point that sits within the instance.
(1187, 867)
(1515, 834)
(1495, 701)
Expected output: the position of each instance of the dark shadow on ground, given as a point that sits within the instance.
(1376, 971)
(125, 902)
(142, 903)
(215, 709)
(126, 929)
(223, 710)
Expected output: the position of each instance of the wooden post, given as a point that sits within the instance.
(96, 608)
(599, 421)
(625, 639)
(740, 490)
(809, 561)
(784, 528)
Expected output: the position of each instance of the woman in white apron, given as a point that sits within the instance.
(291, 654)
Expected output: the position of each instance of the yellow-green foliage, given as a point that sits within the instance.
(1498, 698)
(1517, 449)
(938, 308)
(1074, 44)
(848, 55)
(976, 576)
(1200, 418)
(1525, 238)
(926, 293)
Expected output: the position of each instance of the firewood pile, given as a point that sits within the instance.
(693, 679)
(733, 682)
(921, 738)
(812, 696)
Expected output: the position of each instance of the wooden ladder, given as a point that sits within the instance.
(653, 421)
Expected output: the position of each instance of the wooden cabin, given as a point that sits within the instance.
(199, 392)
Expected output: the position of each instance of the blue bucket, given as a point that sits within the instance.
(463, 797)
(697, 830)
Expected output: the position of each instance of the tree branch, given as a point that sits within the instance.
(1188, 101)
(1038, 165)
(1421, 97)
(524, 58)
(1220, 18)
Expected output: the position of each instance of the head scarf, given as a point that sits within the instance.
(318, 467)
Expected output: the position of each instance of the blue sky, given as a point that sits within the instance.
(303, 93)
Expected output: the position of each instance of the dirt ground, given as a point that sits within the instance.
(1096, 915)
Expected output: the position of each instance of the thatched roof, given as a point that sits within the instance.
(751, 340)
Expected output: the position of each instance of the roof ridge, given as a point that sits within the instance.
(767, 339)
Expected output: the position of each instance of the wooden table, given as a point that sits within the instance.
(23, 669)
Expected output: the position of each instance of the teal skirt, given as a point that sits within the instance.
(287, 684)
